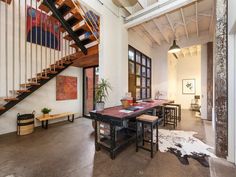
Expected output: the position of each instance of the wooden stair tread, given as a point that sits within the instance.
(57, 66)
(34, 83)
(2, 108)
(85, 41)
(44, 8)
(11, 99)
(23, 91)
(7, 1)
(49, 71)
(74, 20)
(25, 85)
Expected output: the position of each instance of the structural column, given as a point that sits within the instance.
(221, 79)
(209, 80)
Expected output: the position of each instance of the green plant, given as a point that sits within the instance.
(101, 91)
(46, 110)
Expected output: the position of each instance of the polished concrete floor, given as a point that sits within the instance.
(67, 150)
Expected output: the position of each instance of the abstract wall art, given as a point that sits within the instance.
(42, 29)
(66, 88)
(188, 86)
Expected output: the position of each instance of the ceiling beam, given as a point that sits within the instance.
(211, 21)
(157, 9)
(159, 28)
(171, 25)
(196, 8)
(183, 18)
(143, 35)
(151, 33)
(143, 3)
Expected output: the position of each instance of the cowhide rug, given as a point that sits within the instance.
(184, 145)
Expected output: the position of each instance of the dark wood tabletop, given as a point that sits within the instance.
(114, 112)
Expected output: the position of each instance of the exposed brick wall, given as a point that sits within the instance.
(90, 89)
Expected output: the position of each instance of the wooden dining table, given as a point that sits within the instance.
(116, 118)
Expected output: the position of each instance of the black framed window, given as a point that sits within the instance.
(140, 69)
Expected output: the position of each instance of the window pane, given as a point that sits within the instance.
(131, 67)
(148, 62)
(138, 81)
(148, 73)
(138, 69)
(143, 60)
(144, 93)
(143, 71)
(131, 54)
(148, 93)
(143, 82)
(137, 93)
(138, 57)
(148, 83)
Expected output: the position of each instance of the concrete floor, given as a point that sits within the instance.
(67, 150)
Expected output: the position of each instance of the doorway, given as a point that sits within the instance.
(90, 79)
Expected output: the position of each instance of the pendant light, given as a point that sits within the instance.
(174, 48)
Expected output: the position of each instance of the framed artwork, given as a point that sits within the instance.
(188, 86)
(42, 29)
(66, 88)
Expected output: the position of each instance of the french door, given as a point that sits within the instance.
(90, 79)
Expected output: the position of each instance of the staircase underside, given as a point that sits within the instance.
(89, 60)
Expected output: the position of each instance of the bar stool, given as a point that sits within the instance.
(151, 121)
(170, 115)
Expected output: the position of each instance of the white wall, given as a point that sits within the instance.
(45, 97)
(231, 83)
(172, 77)
(188, 67)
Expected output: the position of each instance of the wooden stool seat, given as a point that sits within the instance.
(147, 118)
(152, 122)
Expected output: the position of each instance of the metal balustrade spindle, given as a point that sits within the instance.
(50, 55)
(13, 49)
(41, 42)
(54, 45)
(19, 45)
(31, 45)
(6, 45)
(46, 48)
(26, 54)
(36, 58)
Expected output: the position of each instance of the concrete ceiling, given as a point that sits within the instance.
(192, 18)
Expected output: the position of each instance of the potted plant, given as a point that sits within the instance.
(46, 111)
(101, 94)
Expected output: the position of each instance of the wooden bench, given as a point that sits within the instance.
(45, 119)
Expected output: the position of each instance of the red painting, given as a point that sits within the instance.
(66, 88)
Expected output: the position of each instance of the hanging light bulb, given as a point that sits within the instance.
(174, 48)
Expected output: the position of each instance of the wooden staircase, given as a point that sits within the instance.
(76, 24)
(32, 86)
(83, 27)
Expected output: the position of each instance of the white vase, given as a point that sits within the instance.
(100, 106)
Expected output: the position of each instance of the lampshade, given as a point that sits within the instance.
(174, 48)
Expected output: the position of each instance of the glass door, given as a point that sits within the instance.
(90, 81)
